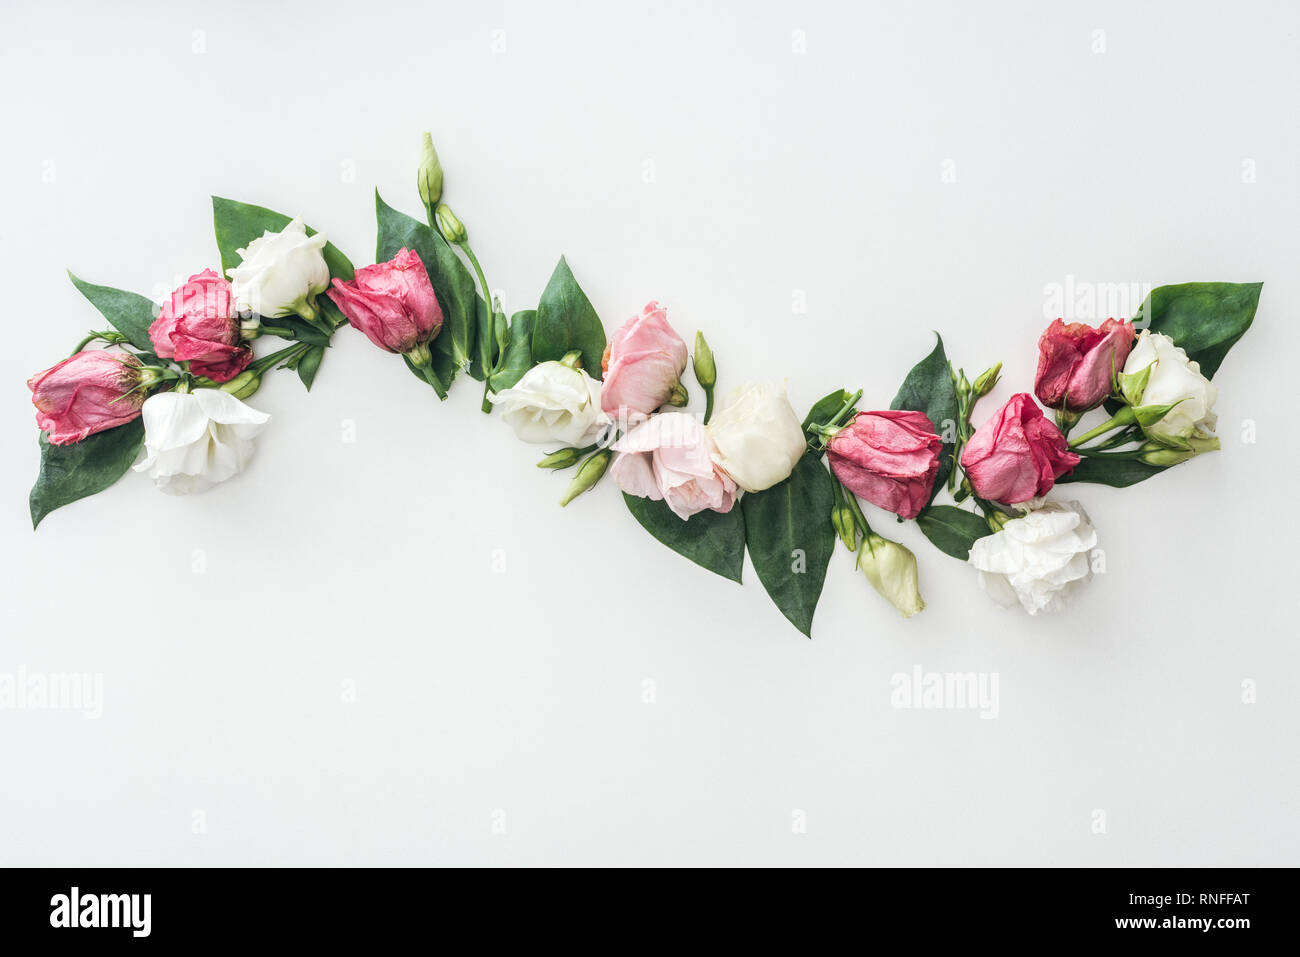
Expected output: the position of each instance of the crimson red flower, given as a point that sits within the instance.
(1077, 363)
(198, 324)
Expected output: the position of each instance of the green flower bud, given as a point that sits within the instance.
(845, 527)
(452, 229)
(679, 396)
(891, 569)
(243, 385)
(562, 459)
(986, 380)
(706, 371)
(589, 473)
(429, 177)
(250, 327)
(1154, 453)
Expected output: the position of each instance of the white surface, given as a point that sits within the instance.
(516, 697)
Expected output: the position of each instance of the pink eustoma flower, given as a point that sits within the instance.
(642, 364)
(88, 393)
(392, 303)
(671, 457)
(1077, 363)
(888, 458)
(199, 324)
(1016, 455)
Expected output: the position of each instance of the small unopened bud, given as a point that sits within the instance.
(452, 229)
(562, 459)
(986, 380)
(589, 473)
(845, 527)
(250, 326)
(150, 376)
(243, 385)
(679, 396)
(429, 177)
(1153, 453)
(706, 371)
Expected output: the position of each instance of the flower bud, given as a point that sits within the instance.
(562, 459)
(891, 569)
(706, 371)
(1155, 453)
(679, 396)
(243, 385)
(986, 380)
(452, 229)
(429, 177)
(589, 473)
(845, 526)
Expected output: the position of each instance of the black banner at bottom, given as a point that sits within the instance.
(94, 907)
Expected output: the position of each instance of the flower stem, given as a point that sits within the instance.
(270, 362)
(708, 404)
(1124, 417)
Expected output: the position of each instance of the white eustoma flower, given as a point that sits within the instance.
(192, 440)
(759, 438)
(1173, 378)
(1038, 559)
(281, 273)
(553, 404)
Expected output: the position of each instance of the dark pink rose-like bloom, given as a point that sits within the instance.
(392, 303)
(88, 393)
(1016, 455)
(1077, 363)
(888, 458)
(642, 364)
(198, 324)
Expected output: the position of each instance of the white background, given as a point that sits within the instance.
(228, 626)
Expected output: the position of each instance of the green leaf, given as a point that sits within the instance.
(519, 353)
(712, 540)
(1204, 318)
(790, 538)
(824, 410)
(303, 331)
(452, 284)
(238, 224)
(567, 321)
(928, 388)
(309, 364)
(1117, 473)
(71, 472)
(130, 313)
(952, 530)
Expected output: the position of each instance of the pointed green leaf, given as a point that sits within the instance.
(71, 472)
(928, 388)
(309, 364)
(566, 321)
(130, 313)
(952, 530)
(824, 411)
(790, 538)
(1204, 318)
(712, 540)
(1117, 473)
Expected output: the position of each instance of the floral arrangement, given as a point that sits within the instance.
(163, 390)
